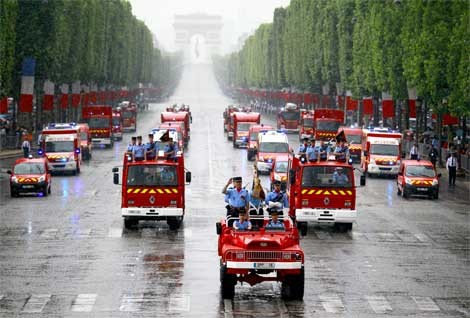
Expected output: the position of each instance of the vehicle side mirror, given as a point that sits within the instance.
(362, 182)
(115, 169)
(438, 175)
(188, 177)
(116, 178)
(218, 227)
(9, 172)
(292, 176)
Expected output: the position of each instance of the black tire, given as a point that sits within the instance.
(49, 190)
(398, 191)
(13, 193)
(45, 192)
(174, 223)
(436, 196)
(78, 169)
(293, 287)
(227, 283)
(405, 194)
(130, 223)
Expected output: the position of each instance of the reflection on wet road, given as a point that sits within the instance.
(67, 255)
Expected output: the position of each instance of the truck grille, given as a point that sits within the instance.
(263, 255)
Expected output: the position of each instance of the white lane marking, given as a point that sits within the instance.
(422, 237)
(359, 236)
(83, 233)
(426, 303)
(179, 303)
(115, 232)
(188, 233)
(36, 303)
(379, 304)
(332, 303)
(49, 233)
(131, 302)
(228, 308)
(388, 237)
(84, 302)
(323, 235)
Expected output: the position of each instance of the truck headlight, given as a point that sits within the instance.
(286, 256)
(435, 182)
(372, 161)
(408, 181)
(14, 179)
(42, 178)
(240, 255)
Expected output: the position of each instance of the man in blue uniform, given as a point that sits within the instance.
(339, 177)
(170, 150)
(276, 197)
(242, 224)
(313, 152)
(324, 150)
(138, 151)
(238, 199)
(151, 148)
(341, 152)
(274, 223)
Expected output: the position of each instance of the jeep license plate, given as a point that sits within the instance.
(422, 189)
(264, 265)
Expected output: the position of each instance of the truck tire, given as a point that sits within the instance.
(45, 192)
(174, 223)
(13, 193)
(293, 287)
(130, 223)
(398, 191)
(227, 283)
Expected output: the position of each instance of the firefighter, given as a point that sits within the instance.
(170, 150)
(313, 152)
(339, 178)
(131, 145)
(238, 198)
(151, 148)
(242, 224)
(341, 152)
(274, 223)
(277, 200)
(324, 150)
(138, 151)
(303, 147)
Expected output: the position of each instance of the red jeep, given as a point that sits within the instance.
(249, 256)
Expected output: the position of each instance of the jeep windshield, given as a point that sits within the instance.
(286, 115)
(327, 125)
(151, 175)
(384, 150)
(59, 146)
(420, 171)
(327, 176)
(274, 147)
(98, 122)
(29, 168)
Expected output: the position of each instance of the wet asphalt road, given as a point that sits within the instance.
(67, 255)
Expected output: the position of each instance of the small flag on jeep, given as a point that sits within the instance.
(165, 137)
(341, 136)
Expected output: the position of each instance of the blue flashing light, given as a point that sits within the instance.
(350, 161)
(40, 152)
(77, 151)
(269, 160)
(63, 159)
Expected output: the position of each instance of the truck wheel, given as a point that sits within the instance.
(174, 223)
(130, 223)
(49, 190)
(293, 287)
(45, 192)
(398, 191)
(227, 283)
(405, 194)
(436, 196)
(303, 228)
(13, 193)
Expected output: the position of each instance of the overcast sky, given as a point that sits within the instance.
(239, 16)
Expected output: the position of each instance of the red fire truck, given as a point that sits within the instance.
(241, 126)
(61, 144)
(175, 132)
(129, 116)
(100, 121)
(354, 140)
(272, 144)
(322, 192)
(306, 125)
(117, 124)
(153, 190)
(30, 175)
(227, 115)
(253, 256)
(253, 139)
(279, 171)
(85, 141)
(382, 152)
(326, 123)
(288, 118)
(182, 118)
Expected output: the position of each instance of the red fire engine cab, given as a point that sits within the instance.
(306, 125)
(254, 256)
(100, 121)
(354, 140)
(180, 117)
(288, 118)
(241, 126)
(153, 190)
(30, 175)
(129, 116)
(117, 124)
(227, 116)
(322, 192)
(326, 123)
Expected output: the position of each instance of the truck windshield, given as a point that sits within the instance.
(420, 171)
(281, 167)
(83, 136)
(354, 139)
(244, 126)
(278, 147)
(127, 114)
(384, 150)
(327, 176)
(308, 123)
(152, 175)
(98, 122)
(29, 168)
(116, 121)
(254, 135)
(59, 146)
(328, 125)
(290, 115)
